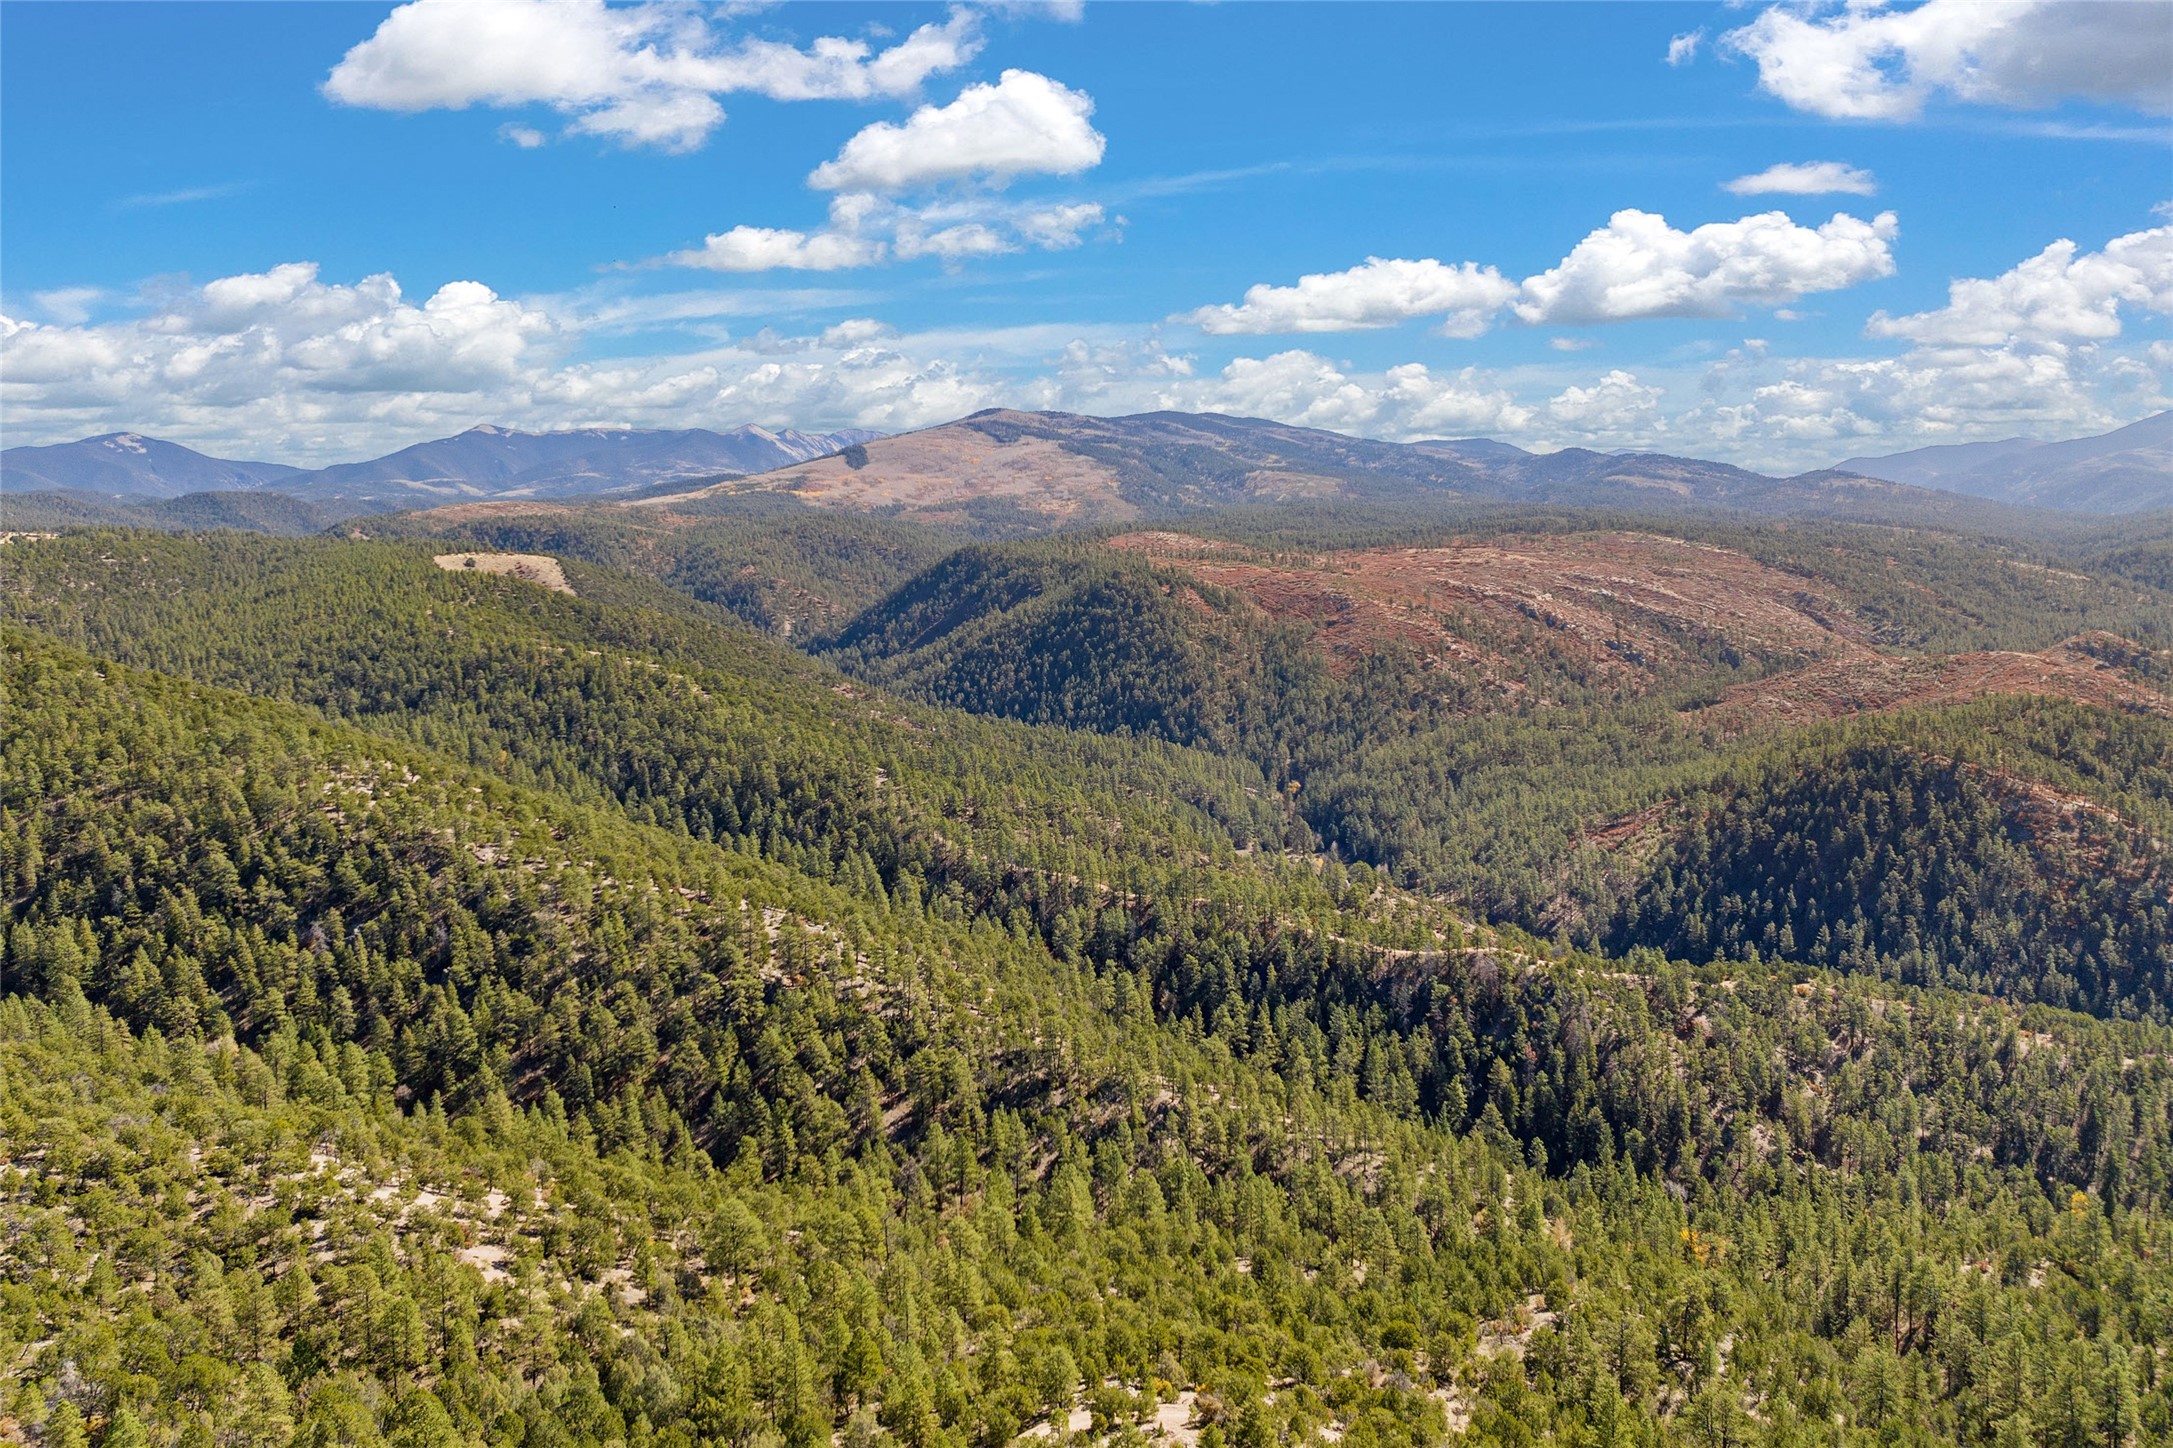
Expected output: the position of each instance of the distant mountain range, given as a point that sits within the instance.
(1037, 470)
(483, 462)
(129, 465)
(1042, 469)
(2122, 471)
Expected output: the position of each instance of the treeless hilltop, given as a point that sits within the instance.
(537, 568)
(941, 469)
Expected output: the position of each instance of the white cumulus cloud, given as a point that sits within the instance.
(866, 229)
(1380, 293)
(286, 365)
(1638, 266)
(2061, 295)
(1059, 227)
(1423, 403)
(1809, 411)
(1303, 388)
(1023, 124)
(646, 74)
(763, 248)
(274, 347)
(1866, 60)
(960, 228)
(1806, 178)
(1617, 402)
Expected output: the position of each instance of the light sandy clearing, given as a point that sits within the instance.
(489, 1259)
(536, 568)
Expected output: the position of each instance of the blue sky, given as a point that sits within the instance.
(320, 231)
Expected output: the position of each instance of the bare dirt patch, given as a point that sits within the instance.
(1512, 1335)
(489, 1259)
(537, 568)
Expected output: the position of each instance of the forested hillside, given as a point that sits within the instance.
(1095, 641)
(255, 512)
(1967, 847)
(786, 569)
(1613, 732)
(445, 1010)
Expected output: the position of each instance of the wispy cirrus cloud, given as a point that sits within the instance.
(70, 306)
(1805, 178)
(182, 196)
(866, 230)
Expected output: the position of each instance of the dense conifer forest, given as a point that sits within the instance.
(1085, 996)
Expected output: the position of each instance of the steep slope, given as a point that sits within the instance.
(1502, 716)
(722, 732)
(340, 927)
(127, 464)
(500, 462)
(1610, 604)
(1498, 617)
(1937, 466)
(2019, 849)
(1081, 638)
(420, 1107)
(2127, 470)
(484, 461)
(2102, 669)
(573, 1023)
(1207, 641)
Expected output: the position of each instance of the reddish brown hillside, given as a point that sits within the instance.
(459, 513)
(1632, 610)
(1625, 605)
(1873, 683)
(932, 472)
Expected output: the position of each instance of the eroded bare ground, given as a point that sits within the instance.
(1876, 683)
(1623, 607)
(538, 568)
(943, 468)
(1621, 603)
